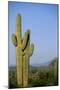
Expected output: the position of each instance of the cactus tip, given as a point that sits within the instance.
(18, 16)
(28, 31)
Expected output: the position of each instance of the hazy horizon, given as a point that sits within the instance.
(42, 20)
(38, 64)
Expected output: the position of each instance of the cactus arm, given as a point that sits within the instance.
(31, 49)
(14, 40)
(25, 40)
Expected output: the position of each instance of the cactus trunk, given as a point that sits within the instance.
(23, 52)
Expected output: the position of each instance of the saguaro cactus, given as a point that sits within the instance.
(23, 51)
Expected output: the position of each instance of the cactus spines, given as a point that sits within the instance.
(23, 51)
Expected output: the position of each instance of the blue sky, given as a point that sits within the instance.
(41, 19)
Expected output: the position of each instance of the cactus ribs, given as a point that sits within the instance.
(23, 52)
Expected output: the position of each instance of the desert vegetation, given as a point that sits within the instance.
(38, 76)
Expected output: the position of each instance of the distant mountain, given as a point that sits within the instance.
(51, 63)
(54, 64)
(12, 67)
(41, 64)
